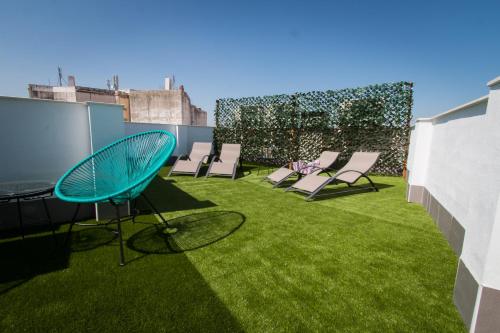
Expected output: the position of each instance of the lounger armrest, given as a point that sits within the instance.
(316, 168)
(236, 161)
(345, 171)
(207, 157)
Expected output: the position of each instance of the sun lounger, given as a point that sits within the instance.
(358, 166)
(326, 159)
(191, 164)
(227, 163)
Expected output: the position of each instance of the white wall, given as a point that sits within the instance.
(197, 134)
(184, 134)
(106, 124)
(41, 139)
(455, 156)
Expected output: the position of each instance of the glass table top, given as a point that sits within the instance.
(20, 188)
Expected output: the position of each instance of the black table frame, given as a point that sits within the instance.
(29, 196)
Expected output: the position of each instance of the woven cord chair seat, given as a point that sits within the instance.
(119, 171)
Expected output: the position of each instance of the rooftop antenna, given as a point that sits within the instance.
(60, 76)
(115, 82)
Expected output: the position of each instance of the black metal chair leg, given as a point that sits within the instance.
(49, 218)
(133, 210)
(120, 239)
(154, 208)
(20, 215)
(73, 220)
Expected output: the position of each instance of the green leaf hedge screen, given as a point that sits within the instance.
(282, 128)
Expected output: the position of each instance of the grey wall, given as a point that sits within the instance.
(165, 107)
(106, 124)
(156, 106)
(41, 139)
(185, 135)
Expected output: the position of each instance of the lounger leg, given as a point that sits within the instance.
(234, 171)
(197, 170)
(282, 180)
(372, 184)
(208, 171)
(173, 167)
(316, 191)
(73, 220)
(120, 239)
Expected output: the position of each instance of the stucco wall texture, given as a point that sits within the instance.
(453, 171)
(165, 107)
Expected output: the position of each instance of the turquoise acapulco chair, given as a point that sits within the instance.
(116, 174)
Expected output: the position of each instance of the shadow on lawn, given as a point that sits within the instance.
(91, 238)
(344, 190)
(186, 233)
(22, 260)
(169, 198)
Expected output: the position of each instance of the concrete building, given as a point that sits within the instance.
(73, 93)
(167, 106)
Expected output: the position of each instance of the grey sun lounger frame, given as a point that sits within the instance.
(227, 162)
(191, 164)
(358, 167)
(327, 158)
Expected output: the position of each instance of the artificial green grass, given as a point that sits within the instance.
(245, 257)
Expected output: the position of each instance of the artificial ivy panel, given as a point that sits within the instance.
(283, 128)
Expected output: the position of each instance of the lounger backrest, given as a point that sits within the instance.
(200, 150)
(230, 152)
(361, 162)
(327, 158)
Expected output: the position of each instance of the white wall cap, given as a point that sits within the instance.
(456, 109)
(494, 82)
(42, 100)
(101, 103)
(162, 124)
(423, 120)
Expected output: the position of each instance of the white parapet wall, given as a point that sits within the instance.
(184, 134)
(41, 139)
(454, 171)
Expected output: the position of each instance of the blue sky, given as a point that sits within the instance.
(449, 49)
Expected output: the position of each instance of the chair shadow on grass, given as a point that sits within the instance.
(169, 198)
(21, 260)
(90, 238)
(186, 233)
